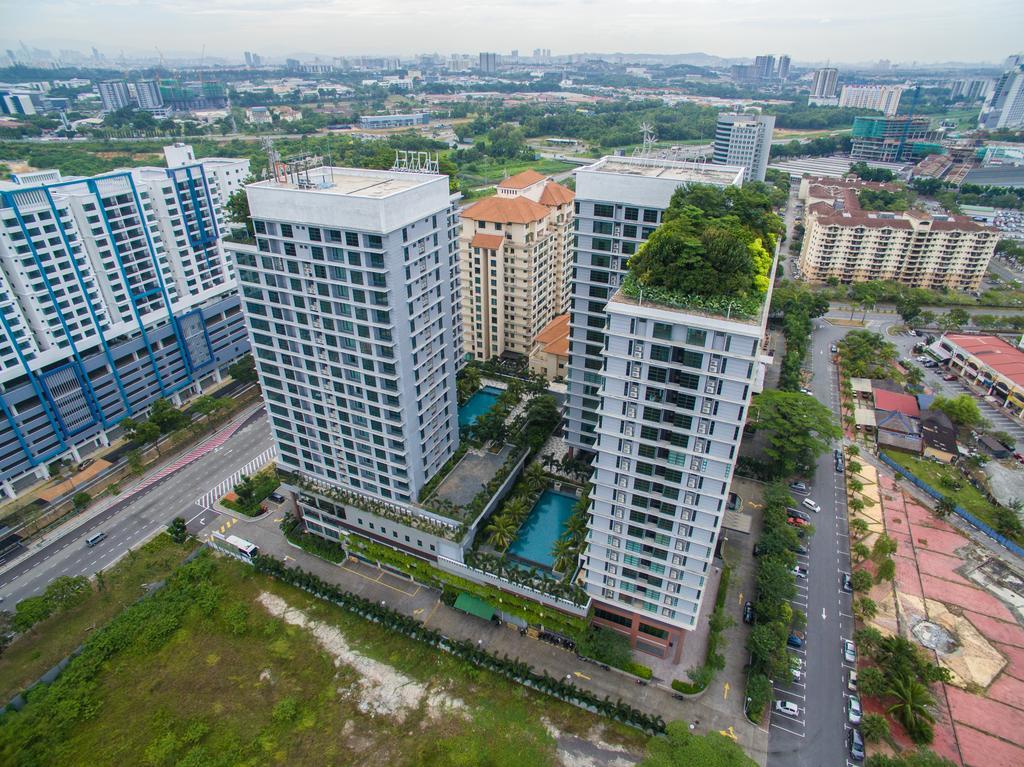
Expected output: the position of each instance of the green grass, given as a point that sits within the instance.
(967, 497)
(484, 172)
(231, 685)
(46, 643)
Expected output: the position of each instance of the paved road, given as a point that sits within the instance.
(816, 736)
(134, 520)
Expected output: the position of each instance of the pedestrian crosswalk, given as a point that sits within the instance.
(222, 488)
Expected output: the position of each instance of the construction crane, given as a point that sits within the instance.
(906, 126)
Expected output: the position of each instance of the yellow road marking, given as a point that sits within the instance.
(730, 733)
(725, 691)
(581, 675)
(378, 581)
(427, 619)
(739, 598)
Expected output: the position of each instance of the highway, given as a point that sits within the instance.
(132, 521)
(817, 736)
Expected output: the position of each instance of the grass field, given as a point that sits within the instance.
(211, 677)
(967, 496)
(43, 646)
(484, 172)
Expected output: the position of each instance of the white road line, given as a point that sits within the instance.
(791, 732)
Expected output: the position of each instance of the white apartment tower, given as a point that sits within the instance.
(619, 202)
(114, 94)
(677, 386)
(744, 139)
(881, 98)
(351, 299)
(1005, 105)
(824, 83)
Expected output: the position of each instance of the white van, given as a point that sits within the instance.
(95, 538)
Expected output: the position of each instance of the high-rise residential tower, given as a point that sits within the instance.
(783, 71)
(351, 298)
(114, 291)
(147, 93)
(619, 202)
(825, 83)
(114, 95)
(1005, 105)
(882, 98)
(744, 139)
(516, 263)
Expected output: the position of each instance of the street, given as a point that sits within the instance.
(816, 737)
(134, 520)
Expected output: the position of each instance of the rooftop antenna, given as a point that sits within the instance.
(648, 148)
(275, 168)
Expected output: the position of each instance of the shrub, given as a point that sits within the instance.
(759, 694)
(638, 669)
(605, 646)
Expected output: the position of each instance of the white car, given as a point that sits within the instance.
(849, 651)
(808, 503)
(853, 711)
(787, 708)
(796, 662)
(851, 683)
(798, 676)
(800, 572)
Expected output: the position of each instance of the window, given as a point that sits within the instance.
(602, 210)
(632, 214)
(696, 337)
(650, 216)
(663, 331)
(603, 227)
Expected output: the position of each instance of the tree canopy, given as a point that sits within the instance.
(798, 427)
(712, 242)
(961, 409)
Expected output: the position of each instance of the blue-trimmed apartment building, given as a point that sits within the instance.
(114, 291)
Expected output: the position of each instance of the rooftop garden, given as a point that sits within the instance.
(712, 252)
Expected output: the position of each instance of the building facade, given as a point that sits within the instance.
(229, 173)
(891, 139)
(881, 98)
(550, 354)
(515, 263)
(350, 299)
(394, 121)
(1005, 105)
(114, 95)
(488, 63)
(619, 202)
(114, 291)
(988, 362)
(825, 83)
(844, 242)
(676, 391)
(147, 93)
(744, 139)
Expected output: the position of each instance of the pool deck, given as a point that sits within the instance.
(471, 474)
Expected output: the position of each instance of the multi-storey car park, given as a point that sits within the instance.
(619, 202)
(114, 291)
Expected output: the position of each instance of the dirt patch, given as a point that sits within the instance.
(382, 691)
(591, 751)
(934, 637)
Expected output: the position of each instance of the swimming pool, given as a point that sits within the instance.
(481, 401)
(543, 527)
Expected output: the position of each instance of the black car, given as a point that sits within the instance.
(798, 549)
(856, 745)
(748, 613)
(277, 498)
(758, 549)
(847, 583)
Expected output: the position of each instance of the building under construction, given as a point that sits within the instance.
(892, 139)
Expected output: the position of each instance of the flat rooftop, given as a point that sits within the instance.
(695, 310)
(674, 170)
(351, 182)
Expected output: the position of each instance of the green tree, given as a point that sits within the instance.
(886, 571)
(874, 728)
(862, 580)
(682, 748)
(871, 682)
(865, 608)
(926, 317)
(605, 646)
(961, 409)
(237, 208)
(206, 405)
(80, 500)
(166, 416)
(798, 429)
(912, 706)
(883, 548)
(860, 551)
(129, 428)
(147, 433)
(135, 465)
(177, 530)
(501, 531)
(945, 507)
(954, 319)
(909, 309)
(858, 527)
(243, 370)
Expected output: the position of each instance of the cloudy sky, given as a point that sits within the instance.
(809, 30)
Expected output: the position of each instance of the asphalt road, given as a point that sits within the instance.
(816, 737)
(131, 522)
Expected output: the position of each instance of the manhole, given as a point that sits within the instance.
(934, 637)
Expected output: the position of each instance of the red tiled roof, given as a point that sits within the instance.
(506, 210)
(556, 194)
(895, 402)
(488, 241)
(521, 180)
(555, 336)
(995, 353)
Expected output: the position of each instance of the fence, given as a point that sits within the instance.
(1002, 540)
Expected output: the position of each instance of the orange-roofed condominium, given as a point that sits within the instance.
(515, 253)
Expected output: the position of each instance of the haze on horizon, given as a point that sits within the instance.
(808, 30)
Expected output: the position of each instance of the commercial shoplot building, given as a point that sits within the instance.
(988, 362)
(845, 242)
(114, 291)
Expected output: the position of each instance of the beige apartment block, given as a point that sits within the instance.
(550, 354)
(515, 255)
(845, 242)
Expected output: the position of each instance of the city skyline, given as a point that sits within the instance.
(737, 29)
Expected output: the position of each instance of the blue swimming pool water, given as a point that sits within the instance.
(543, 527)
(477, 405)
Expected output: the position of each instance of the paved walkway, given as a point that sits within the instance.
(712, 712)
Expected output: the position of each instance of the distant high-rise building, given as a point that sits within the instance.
(351, 303)
(619, 202)
(764, 67)
(248, 59)
(891, 139)
(744, 139)
(488, 63)
(881, 98)
(784, 62)
(257, 60)
(147, 92)
(825, 83)
(114, 94)
(516, 261)
(970, 90)
(1005, 107)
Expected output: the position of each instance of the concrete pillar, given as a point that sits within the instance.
(75, 454)
(8, 488)
(217, 377)
(176, 399)
(102, 440)
(42, 472)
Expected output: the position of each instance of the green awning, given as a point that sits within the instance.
(474, 606)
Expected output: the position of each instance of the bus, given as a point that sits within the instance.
(235, 546)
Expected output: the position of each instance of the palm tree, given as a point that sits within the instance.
(874, 727)
(565, 554)
(852, 450)
(859, 526)
(865, 608)
(944, 508)
(913, 701)
(501, 531)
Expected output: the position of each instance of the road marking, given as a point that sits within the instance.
(725, 691)
(739, 599)
(730, 733)
(581, 675)
(823, 614)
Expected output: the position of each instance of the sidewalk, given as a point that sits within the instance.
(167, 465)
(707, 714)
